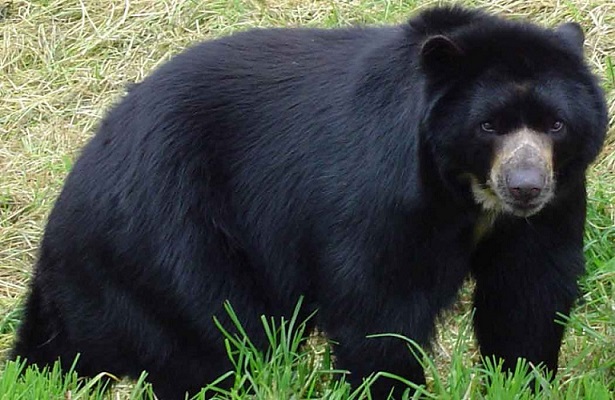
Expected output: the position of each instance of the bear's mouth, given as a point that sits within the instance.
(522, 209)
(494, 199)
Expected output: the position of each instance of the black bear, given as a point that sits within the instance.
(369, 170)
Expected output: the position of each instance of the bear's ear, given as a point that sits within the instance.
(572, 34)
(440, 55)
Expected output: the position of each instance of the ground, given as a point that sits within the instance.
(64, 62)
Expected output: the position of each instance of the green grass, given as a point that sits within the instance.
(63, 63)
(290, 369)
(18, 382)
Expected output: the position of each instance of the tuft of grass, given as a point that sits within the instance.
(63, 63)
(20, 382)
(286, 370)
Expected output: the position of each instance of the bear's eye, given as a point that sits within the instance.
(557, 126)
(488, 127)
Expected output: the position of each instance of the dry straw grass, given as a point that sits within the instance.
(64, 62)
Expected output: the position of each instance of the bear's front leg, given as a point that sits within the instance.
(393, 278)
(406, 305)
(526, 274)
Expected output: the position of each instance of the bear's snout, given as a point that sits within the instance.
(523, 173)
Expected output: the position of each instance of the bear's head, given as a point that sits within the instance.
(514, 114)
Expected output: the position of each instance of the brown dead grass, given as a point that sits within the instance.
(64, 63)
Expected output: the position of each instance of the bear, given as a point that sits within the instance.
(366, 170)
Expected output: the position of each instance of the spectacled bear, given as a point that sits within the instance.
(369, 170)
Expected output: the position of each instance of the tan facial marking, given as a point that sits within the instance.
(515, 151)
(489, 201)
(483, 226)
(518, 150)
(484, 195)
(514, 143)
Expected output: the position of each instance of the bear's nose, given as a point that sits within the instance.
(526, 184)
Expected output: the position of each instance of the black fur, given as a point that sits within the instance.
(281, 163)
